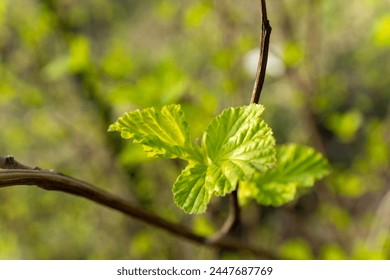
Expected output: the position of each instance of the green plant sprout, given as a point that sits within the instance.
(237, 147)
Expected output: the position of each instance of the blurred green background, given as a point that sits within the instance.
(70, 68)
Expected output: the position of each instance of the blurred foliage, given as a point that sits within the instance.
(69, 68)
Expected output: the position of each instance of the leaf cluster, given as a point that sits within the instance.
(238, 146)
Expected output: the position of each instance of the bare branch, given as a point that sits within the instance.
(233, 219)
(13, 173)
(264, 49)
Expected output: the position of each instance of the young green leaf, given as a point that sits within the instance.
(238, 144)
(274, 194)
(190, 192)
(298, 164)
(297, 167)
(162, 133)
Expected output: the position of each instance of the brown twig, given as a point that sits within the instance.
(264, 49)
(14, 173)
(233, 219)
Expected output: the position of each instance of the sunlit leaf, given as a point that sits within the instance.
(297, 166)
(274, 194)
(163, 133)
(238, 144)
(190, 192)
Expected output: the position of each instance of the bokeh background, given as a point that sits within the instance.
(70, 68)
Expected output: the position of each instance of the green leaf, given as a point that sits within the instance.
(162, 133)
(220, 182)
(190, 192)
(238, 144)
(274, 194)
(297, 167)
(297, 164)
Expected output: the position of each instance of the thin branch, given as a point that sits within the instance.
(233, 220)
(13, 173)
(264, 49)
(16, 173)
